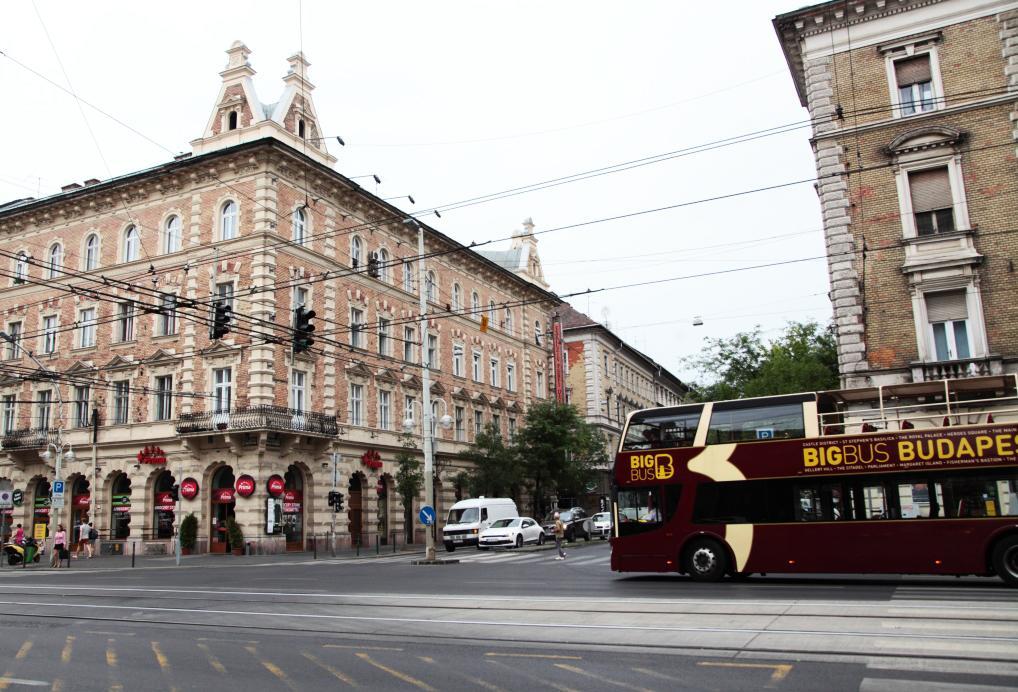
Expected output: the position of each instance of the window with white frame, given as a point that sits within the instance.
(409, 336)
(298, 390)
(356, 404)
(948, 331)
(49, 334)
(166, 321)
(43, 402)
(224, 294)
(164, 397)
(409, 404)
(384, 337)
(82, 396)
(457, 360)
(510, 376)
(300, 297)
(491, 313)
(539, 384)
(87, 321)
(10, 417)
(14, 341)
(132, 244)
(475, 365)
(91, 252)
(384, 273)
(475, 306)
(125, 321)
(299, 222)
(432, 351)
(121, 402)
(478, 422)
(509, 325)
(932, 201)
(431, 287)
(222, 392)
(494, 373)
(459, 423)
(55, 262)
(21, 268)
(385, 409)
(457, 297)
(172, 235)
(913, 81)
(356, 327)
(408, 276)
(228, 221)
(356, 251)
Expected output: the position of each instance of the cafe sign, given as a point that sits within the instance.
(152, 455)
(275, 485)
(245, 485)
(189, 488)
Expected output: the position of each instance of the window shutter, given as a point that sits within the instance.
(912, 70)
(945, 307)
(930, 190)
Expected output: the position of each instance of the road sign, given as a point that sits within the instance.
(6, 498)
(58, 495)
(427, 515)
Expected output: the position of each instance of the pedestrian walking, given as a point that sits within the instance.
(19, 535)
(80, 538)
(93, 534)
(560, 534)
(59, 546)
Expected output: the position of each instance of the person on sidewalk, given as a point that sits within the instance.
(80, 535)
(19, 535)
(92, 536)
(560, 534)
(59, 546)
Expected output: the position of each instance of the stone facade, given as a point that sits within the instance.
(902, 93)
(122, 315)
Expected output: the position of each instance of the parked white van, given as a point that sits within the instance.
(468, 518)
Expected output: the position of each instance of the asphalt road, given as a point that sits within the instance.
(497, 621)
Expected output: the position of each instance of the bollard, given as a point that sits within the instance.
(395, 538)
(133, 545)
(314, 541)
(378, 547)
(358, 543)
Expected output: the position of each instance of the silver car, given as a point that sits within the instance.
(602, 523)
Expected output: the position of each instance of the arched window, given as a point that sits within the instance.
(232, 120)
(56, 260)
(491, 313)
(457, 297)
(408, 276)
(432, 286)
(509, 321)
(131, 243)
(299, 226)
(300, 128)
(356, 251)
(228, 221)
(92, 252)
(21, 268)
(475, 305)
(383, 265)
(171, 235)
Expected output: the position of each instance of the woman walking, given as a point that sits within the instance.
(59, 545)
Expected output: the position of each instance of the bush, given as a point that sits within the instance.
(189, 532)
(235, 534)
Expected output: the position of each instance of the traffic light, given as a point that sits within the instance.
(332, 498)
(373, 265)
(303, 330)
(339, 502)
(221, 320)
(175, 493)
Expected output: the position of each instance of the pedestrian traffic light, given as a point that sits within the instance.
(303, 330)
(332, 498)
(339, 502)
(175, 493)
(221, 320)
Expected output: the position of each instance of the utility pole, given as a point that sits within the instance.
(429, 442)
(335, 484)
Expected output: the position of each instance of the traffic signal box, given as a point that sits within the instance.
(303, 330)
(220, 319)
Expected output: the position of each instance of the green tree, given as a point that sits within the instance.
(803, 358)
(496, 468)
(409, 481)
(559, 452)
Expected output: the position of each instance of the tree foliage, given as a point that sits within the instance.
(803, 358)
(497, 470)
(409, 481)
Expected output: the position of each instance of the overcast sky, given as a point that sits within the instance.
(448, 101)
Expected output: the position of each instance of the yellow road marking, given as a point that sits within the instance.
(23, 651)
(781, 670)
(360, 648)
(396, 674)
(5, 680)
(477, 681)
(164, 662)
(111, 655)
(213, 661)
(335, 673)
(580, 671)
(272, 668)
(554, 656)
(65, 655)
(538, 681)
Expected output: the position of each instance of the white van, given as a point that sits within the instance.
(468, 518)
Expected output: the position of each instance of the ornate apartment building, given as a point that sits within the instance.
(112, 287)
(914, 105)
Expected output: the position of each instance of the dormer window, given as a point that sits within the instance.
(300, 128)
(232, 121)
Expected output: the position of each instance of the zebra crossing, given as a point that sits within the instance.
(949, 593)
(587, 557)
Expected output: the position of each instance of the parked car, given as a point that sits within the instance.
(511, 533)
(578, 524)
(467, 518)
(602, 522)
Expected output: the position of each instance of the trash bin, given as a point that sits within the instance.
(29, 553)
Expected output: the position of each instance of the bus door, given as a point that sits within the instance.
(642, 516)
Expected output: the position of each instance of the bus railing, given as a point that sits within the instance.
(923, 415)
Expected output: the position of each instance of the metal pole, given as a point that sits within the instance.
(132, 553)
(429, 454)
(335, 484)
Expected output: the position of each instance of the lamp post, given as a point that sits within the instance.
(429, 460)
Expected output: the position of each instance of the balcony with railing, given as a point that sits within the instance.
(258, 418)
(26, 438)
(957, 369)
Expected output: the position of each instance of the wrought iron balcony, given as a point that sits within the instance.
(255, 418)
(27, 438)
(957, 369)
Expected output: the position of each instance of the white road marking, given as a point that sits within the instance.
(895, 685)
(23, 681)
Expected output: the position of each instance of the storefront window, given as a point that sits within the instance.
(40, 507)
(223, 502)
(120, 508)
(293, 509)
(164, 506)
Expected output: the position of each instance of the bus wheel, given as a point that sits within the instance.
(705, 560)
(1005, 560)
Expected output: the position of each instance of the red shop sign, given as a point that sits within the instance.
(292, 496)
(189, 488)
(371, 459)
(165, 501)
(152, 455)
(222, 494)
(275, 485)
(245, 486)
(82, 501)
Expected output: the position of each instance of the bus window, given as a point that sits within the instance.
(743, 424)
(745, 502)
(819, 503)
(1007, 497)
(656, 430)
(646, 509)
(914, 499)
(874, 502)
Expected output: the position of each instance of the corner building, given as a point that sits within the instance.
(913, 109)
(112, 285)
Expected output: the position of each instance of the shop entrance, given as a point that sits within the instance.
(293, 509)
(40, 508)
(164, 506)
(222, 509)
(120, 507)
(81, 502)
(383, 508)
(353, 492)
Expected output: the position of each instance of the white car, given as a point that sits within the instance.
(511, 533)
(602, 525)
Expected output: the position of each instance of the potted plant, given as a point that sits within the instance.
(236, 536)
(188, 534)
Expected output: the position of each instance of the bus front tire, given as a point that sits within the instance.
(1005, 560)
(705, 560)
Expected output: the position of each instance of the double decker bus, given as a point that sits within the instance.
(917, 478)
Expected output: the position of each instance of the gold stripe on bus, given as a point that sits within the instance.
(714, 463)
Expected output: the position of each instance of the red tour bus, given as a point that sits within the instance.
(918, 478)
